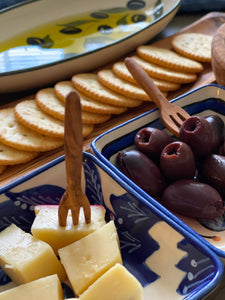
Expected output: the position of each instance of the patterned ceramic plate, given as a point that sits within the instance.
(52, 39)
(204, 101)
(165, 258)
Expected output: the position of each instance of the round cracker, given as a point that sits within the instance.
(165, 73)
(63, 88)
(193, 45)
(108, 78)
(12, 156)
(88, 84)
(90, 105)
(49, 103)
(120, 69)
(94, 118)
(30, 115)
(14, 134)
(169, 59)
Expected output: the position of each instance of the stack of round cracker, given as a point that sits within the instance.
(37, 125)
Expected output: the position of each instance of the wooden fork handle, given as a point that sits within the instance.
(144, 80)
(73, 140)
(73, 198)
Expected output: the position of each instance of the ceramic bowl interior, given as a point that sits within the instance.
(204, 101)
(67, 37)
(164, 257)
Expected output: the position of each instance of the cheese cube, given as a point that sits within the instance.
(25, 258)
(46, 226)
(88, 258)
(117, 283)
(46, 288)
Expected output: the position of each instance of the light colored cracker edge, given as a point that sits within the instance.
(94, 118)
(63, 88)
(15, 135)
(181, 44)
(30, 115)
(89, 84)
(12, 156)
(164, 73)
(49, 103)
(121, 71)
(169, 59)
(108, 78)
(90, 105)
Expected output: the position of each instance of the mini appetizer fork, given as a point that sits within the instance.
(73, 198)
(172, 115)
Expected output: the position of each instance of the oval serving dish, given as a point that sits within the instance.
(168, 261)
(50, 40)
(204, 101)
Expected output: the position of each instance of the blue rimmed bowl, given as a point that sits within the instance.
(101, 28)
(169, 262)
(204, 101)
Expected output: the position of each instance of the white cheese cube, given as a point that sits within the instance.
(46, 288)
(25, 258)
(90, 257)
(116, 284)
(46, 225)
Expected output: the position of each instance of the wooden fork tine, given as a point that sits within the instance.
(172, 115)
(177, 121)
(170, 123)
(62, 211)
(73, 198)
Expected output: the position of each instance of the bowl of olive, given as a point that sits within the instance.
(183, 176)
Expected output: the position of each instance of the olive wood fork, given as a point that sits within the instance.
(172, 115)
(73, 198)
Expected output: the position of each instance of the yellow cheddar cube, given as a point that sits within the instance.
(90, 257)
(117, 283)
(25, 258)
(46, 288)
(46, 226)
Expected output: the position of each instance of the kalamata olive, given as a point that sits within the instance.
(212, 171)
(177, 161)
(198, 134)
(222, 149)
(151, 141)
(218, 127)
(193, 199)
(141, 170)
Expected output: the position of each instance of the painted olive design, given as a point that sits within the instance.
(99, 15)
(45, 42)
(35, 41)
(138, 18)
(135, 4)
(71, 30)
(105, 29)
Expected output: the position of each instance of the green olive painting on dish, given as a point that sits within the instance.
(89, 31)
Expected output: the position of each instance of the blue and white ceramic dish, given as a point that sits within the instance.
(203, 101)
(165, 258)
(32, 55)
